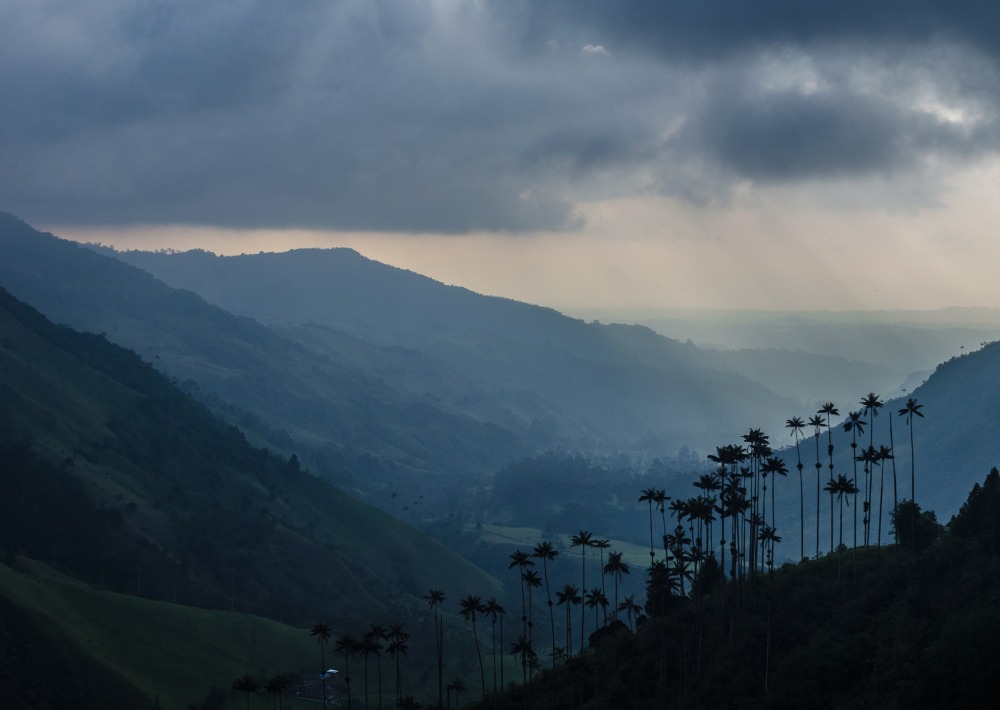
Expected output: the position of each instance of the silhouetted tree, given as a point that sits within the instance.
(456, 686)
(247, 684)
(471, 605)
(545, 551)
(322, 634)
(583, 540)
(398, 647)
(435, 598)
(569, 596)
(348, 645)
(796, 425)
(909, 410)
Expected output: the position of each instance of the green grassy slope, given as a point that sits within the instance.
(138, 648)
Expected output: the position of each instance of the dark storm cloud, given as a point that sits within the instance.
(787, 135)
(451, 117)
(698, 29)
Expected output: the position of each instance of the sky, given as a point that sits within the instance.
(774, 154)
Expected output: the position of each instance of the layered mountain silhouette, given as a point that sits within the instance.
(392, 382)
(383, 378)
(594, 385)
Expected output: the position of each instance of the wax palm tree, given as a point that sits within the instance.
(348, 645)
(378, 633)
(492, 609)
(247, 684)
(709, 483)
(758, 448)
(616, 567)
(844, 487)
(727, 457)
(276, 686)
(570, 597)
(909, 410)
(583, 540)
(871, 404)
(796, 425)
(495, 611)
(817, 424)
(322, 633)
(456, 686)
(368, 646)
(649, 496)
(522, 560)
(770, 537)
(831, 488)
(601, 546)
(398, 647)
(531, 581)
(776, 467)
(631, 609)
(830, 410)
(522, 647)
(409, 703)
(884, 454)
(546, 551)
(870, 457)
(470, 606)
(661, 505)
(856, 425)
(895, 480)
(596, 600)
(434, 598)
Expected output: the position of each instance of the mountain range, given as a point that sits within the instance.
(405, 390)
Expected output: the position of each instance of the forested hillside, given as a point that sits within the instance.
(116, 477)
(912, 625)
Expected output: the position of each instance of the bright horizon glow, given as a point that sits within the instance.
(771, 250)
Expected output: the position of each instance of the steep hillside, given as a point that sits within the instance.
(114, 476)
(65, 644)
(343, 403)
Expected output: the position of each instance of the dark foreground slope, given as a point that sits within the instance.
(116, 477)
(64, 644)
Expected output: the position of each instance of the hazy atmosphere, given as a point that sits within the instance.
(615, 154)
(506, 354)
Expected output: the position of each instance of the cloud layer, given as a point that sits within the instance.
(449, 117)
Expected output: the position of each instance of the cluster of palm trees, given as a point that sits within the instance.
(275, 687)
(736, 497)
(731, 512)
(737, 491)
(570, 596)
(474, 610)
(391, 639)
(847, 489)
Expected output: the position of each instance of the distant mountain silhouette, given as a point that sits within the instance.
(596, 386)
(343, 405)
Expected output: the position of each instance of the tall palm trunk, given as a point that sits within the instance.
(552, 614)
(479, 653)
(895, 496)
(819, 468)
